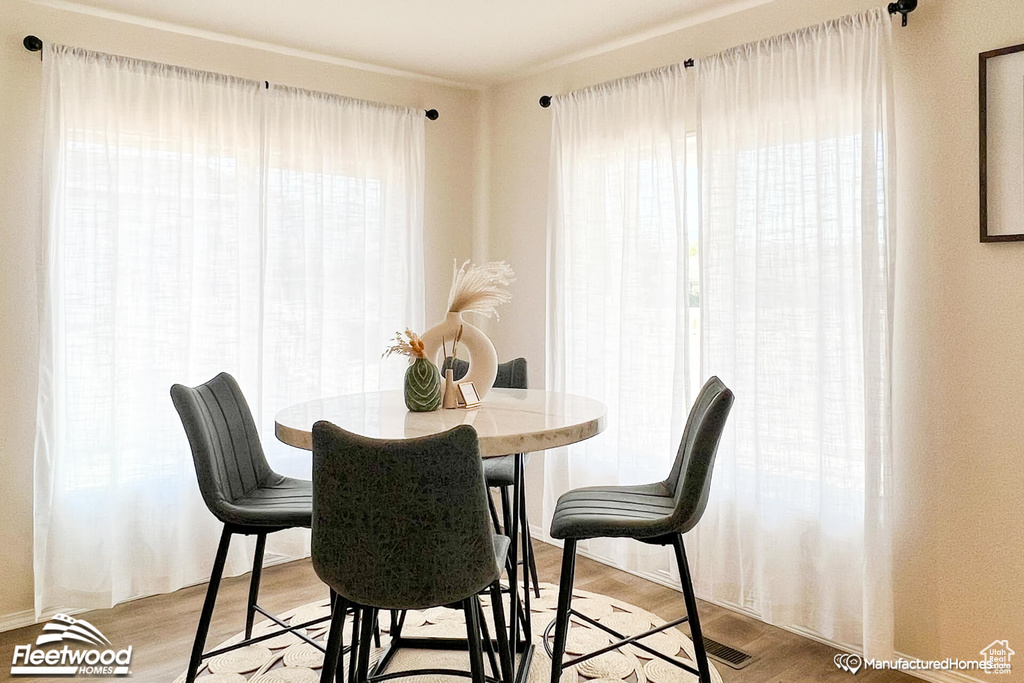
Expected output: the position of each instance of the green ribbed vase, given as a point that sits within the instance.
(422, 386)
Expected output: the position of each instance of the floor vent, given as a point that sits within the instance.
(726, 655)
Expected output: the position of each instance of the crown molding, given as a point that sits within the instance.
(231, 39)
(663, 29)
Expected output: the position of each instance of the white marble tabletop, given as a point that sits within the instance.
(508, 420)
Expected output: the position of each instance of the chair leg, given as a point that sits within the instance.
(353, 652)
(533, 564)
(494, 513)
(488, 645)
(511, 529)
(506, 511)
(365, 638)
(564, 602)
(476, 659)
(504, 653)
(254, 583)
(207, 614)
(334, 638)
(397, 622)
(529, 562)
(518, 532)
(691, 610)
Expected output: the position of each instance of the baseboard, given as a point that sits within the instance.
(9, 622)
(16, 620)
(941, 676)
(934, 676)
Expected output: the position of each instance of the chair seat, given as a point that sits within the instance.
(281, 502)
(502, 471)
(640, 512)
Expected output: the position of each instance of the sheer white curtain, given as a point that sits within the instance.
(797, 253)
(195, 223)
(344, 249)
(622, 325)
(796, 245)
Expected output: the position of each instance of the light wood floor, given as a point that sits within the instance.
(161, 628)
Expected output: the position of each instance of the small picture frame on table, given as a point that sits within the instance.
(1001, 137)
(468, 398)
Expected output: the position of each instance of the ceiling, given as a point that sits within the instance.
(466, 42)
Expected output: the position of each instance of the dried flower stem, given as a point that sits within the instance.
(411, 346)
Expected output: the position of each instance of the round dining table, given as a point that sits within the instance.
(507, 422)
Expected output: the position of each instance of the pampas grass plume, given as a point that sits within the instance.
(480, 289)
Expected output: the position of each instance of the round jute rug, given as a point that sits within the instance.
(290, 660)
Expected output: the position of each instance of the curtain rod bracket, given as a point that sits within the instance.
(903, 7)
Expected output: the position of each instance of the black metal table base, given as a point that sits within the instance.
(379, 673)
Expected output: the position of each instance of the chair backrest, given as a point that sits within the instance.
(225, 445)
(511, 374)
(690, 478)
(401, 524)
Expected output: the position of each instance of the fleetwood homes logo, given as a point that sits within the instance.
(84, 651)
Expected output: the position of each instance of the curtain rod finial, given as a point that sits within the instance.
(32, 43)
(432, 114)
(903, 7)
(545, 101)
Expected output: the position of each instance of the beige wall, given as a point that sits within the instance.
(959, 365)
(449, 209)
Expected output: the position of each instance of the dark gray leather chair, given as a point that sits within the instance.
(499, 473)
(237, 486)
(657, 513)
(403, 525)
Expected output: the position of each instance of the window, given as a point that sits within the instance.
(199, 223)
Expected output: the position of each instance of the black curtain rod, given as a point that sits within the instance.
(903, 7)
(35, 44)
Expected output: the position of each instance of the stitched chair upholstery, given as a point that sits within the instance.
(237, 485)
(658, 513)
(234, 477)
(500, 472)
(653, 511)
(511, 375)
(403, 524)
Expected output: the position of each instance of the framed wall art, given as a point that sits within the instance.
(1001, 100)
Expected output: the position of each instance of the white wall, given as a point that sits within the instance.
(451, 166)
(959, 366)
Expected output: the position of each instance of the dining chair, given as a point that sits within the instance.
(239, 488)
(400, 525)
(657, 514)
(499, 473)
